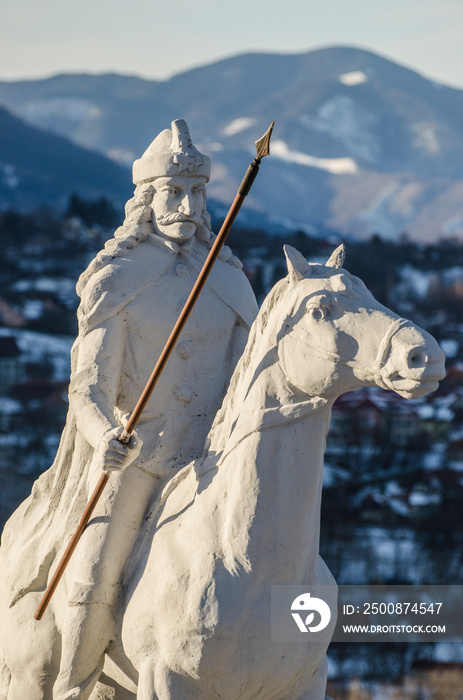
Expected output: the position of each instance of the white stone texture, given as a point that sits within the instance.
(213, 530)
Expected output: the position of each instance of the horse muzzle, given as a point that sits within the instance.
(414, 363)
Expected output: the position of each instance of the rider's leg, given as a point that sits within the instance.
(94, 577)
(85, 638)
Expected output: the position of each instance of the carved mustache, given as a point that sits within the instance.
(166, 219)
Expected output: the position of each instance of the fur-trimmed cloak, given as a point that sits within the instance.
(37, 533)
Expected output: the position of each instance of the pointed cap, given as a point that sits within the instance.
(171, 153)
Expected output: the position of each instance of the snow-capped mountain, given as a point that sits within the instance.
(360, 143)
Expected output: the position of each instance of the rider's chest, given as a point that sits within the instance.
(153, 313)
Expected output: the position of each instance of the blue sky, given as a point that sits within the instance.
(157, 39)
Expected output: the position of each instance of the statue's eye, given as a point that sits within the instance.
(317, 311)
(169, 190)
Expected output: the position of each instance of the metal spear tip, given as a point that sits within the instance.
(263, 144)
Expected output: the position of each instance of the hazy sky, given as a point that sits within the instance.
(156, 39)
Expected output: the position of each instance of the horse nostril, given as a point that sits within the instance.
(417, 358)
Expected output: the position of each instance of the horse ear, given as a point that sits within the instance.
(298, 266)
(337, 257)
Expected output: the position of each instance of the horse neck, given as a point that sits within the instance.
(271, 442)
(289, 467)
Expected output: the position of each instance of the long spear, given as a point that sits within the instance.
(262, 149)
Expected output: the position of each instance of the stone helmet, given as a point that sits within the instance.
(171, 153)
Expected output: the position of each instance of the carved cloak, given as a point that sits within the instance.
(38, 531)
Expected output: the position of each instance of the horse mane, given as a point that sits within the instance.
(239, 382)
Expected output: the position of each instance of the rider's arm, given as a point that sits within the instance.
(94, 388)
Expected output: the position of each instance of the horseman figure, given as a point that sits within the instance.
(204, 525)
(131, 295)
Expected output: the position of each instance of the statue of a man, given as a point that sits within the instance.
(131, 296)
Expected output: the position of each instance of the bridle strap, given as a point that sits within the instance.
(379, 361)
(385, 344)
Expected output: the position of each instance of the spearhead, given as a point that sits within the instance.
(263, 144)
(262, 149)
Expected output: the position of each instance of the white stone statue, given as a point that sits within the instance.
(193, 618)
(131, 296)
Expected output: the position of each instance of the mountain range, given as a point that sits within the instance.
(360, 144)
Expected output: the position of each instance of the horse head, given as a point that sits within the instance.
(337, 337)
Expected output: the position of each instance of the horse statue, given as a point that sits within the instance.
(194, 619)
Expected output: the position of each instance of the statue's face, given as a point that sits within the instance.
(177, 206)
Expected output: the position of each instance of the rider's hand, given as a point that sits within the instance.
(116, 455)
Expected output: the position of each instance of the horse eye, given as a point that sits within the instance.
(318, 313)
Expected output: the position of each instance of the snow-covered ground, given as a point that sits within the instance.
(238, 125)
(338, 166)
(64, 288)
(375, 554)
(40, 347)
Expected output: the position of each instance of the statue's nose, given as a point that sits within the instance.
(186, 206)
(417, 358)
(414, 354)
(417, 351)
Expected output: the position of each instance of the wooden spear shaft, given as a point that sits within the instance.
(263, 149)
